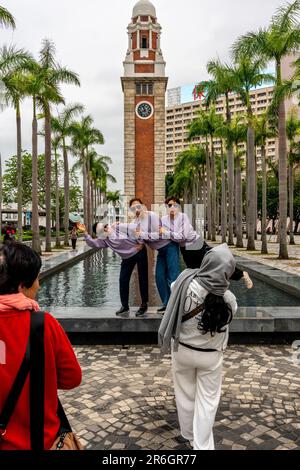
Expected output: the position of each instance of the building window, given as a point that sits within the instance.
(144, 42)
(144, 88)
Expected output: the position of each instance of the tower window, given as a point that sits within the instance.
(144, 88)
(144, 42)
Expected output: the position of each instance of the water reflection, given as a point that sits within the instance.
(94, 282)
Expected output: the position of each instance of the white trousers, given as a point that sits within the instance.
(197, 381)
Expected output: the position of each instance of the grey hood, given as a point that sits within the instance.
(216, 269)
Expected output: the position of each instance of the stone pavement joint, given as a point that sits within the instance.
(122, 405)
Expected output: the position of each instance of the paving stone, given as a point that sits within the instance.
(259, 407)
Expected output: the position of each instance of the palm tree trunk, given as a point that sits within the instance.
(57, 221)
(282, 170)
(230, 175)
(36, 243)
(251, 182)
(19, 172)
(89, 198)
(239, 203)
(255, 195)
(291, 203)
(223, 198)
(66, 194)
(92, 200)
(48, 175)
(85, 216)
(208, 192)
(1, 194)
(213, 192)
(264, 244)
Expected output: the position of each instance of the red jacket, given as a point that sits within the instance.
(62, 371)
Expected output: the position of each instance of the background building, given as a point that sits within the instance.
(179, 115)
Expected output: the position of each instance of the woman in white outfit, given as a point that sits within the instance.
(197, 318)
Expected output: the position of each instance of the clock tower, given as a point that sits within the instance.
(144, 86)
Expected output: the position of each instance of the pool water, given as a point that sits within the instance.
(94, 282)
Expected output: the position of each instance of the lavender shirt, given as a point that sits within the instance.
(118, 241)
(181, 231)
(149, 226)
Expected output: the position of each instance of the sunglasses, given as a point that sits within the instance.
(176, 206)
(138, 207)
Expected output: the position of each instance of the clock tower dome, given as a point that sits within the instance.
(144, 86)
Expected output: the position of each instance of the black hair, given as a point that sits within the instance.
(95, 227)
(216, 314)
(19, 264)
(172, 198)
(135, 199)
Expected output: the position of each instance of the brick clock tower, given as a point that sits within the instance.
(144, 86)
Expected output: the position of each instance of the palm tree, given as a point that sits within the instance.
(222, 85)
(205, 125)
(99, 170)
(61, 125)
(263, 132)
(6, 18)
(113, 196)
(84, 135)
(281, 38)
(238, 135)
(35, 88)
(189, 176)
(248, 74)
(14, 92)
(52, 75)
(292, 131)
(55, 147)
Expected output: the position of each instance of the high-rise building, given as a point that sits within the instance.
(144, 86)
(179, 115)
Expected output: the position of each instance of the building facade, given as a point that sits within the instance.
(179, 115)
(144, 87)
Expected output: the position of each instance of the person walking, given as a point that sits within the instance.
(132, 253)
(74, 237)
(195, 327)
(19, 283)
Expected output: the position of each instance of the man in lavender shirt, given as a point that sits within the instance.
(148, 227)
(133, 252)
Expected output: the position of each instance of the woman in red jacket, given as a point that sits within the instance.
(19, 269)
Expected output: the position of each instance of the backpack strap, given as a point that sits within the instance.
(15, 391)
(37, 380)
(37, 389)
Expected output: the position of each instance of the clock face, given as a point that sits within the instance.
(144, 110)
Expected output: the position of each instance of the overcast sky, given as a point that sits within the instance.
(91, 39)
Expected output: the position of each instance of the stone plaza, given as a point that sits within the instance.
(126, 400)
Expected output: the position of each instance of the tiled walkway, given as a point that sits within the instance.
(126, 400)
(291, 266)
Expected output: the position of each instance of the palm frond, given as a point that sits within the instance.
(47, 54)
(286, 16)
(6, 18)
(251, 44)
(64, 75)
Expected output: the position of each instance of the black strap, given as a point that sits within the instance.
(37, 381)
(15, 391)
(38, 325)
(64, 422)
(192, 313)
(197, 349)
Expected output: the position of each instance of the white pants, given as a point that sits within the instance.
(197, 381)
